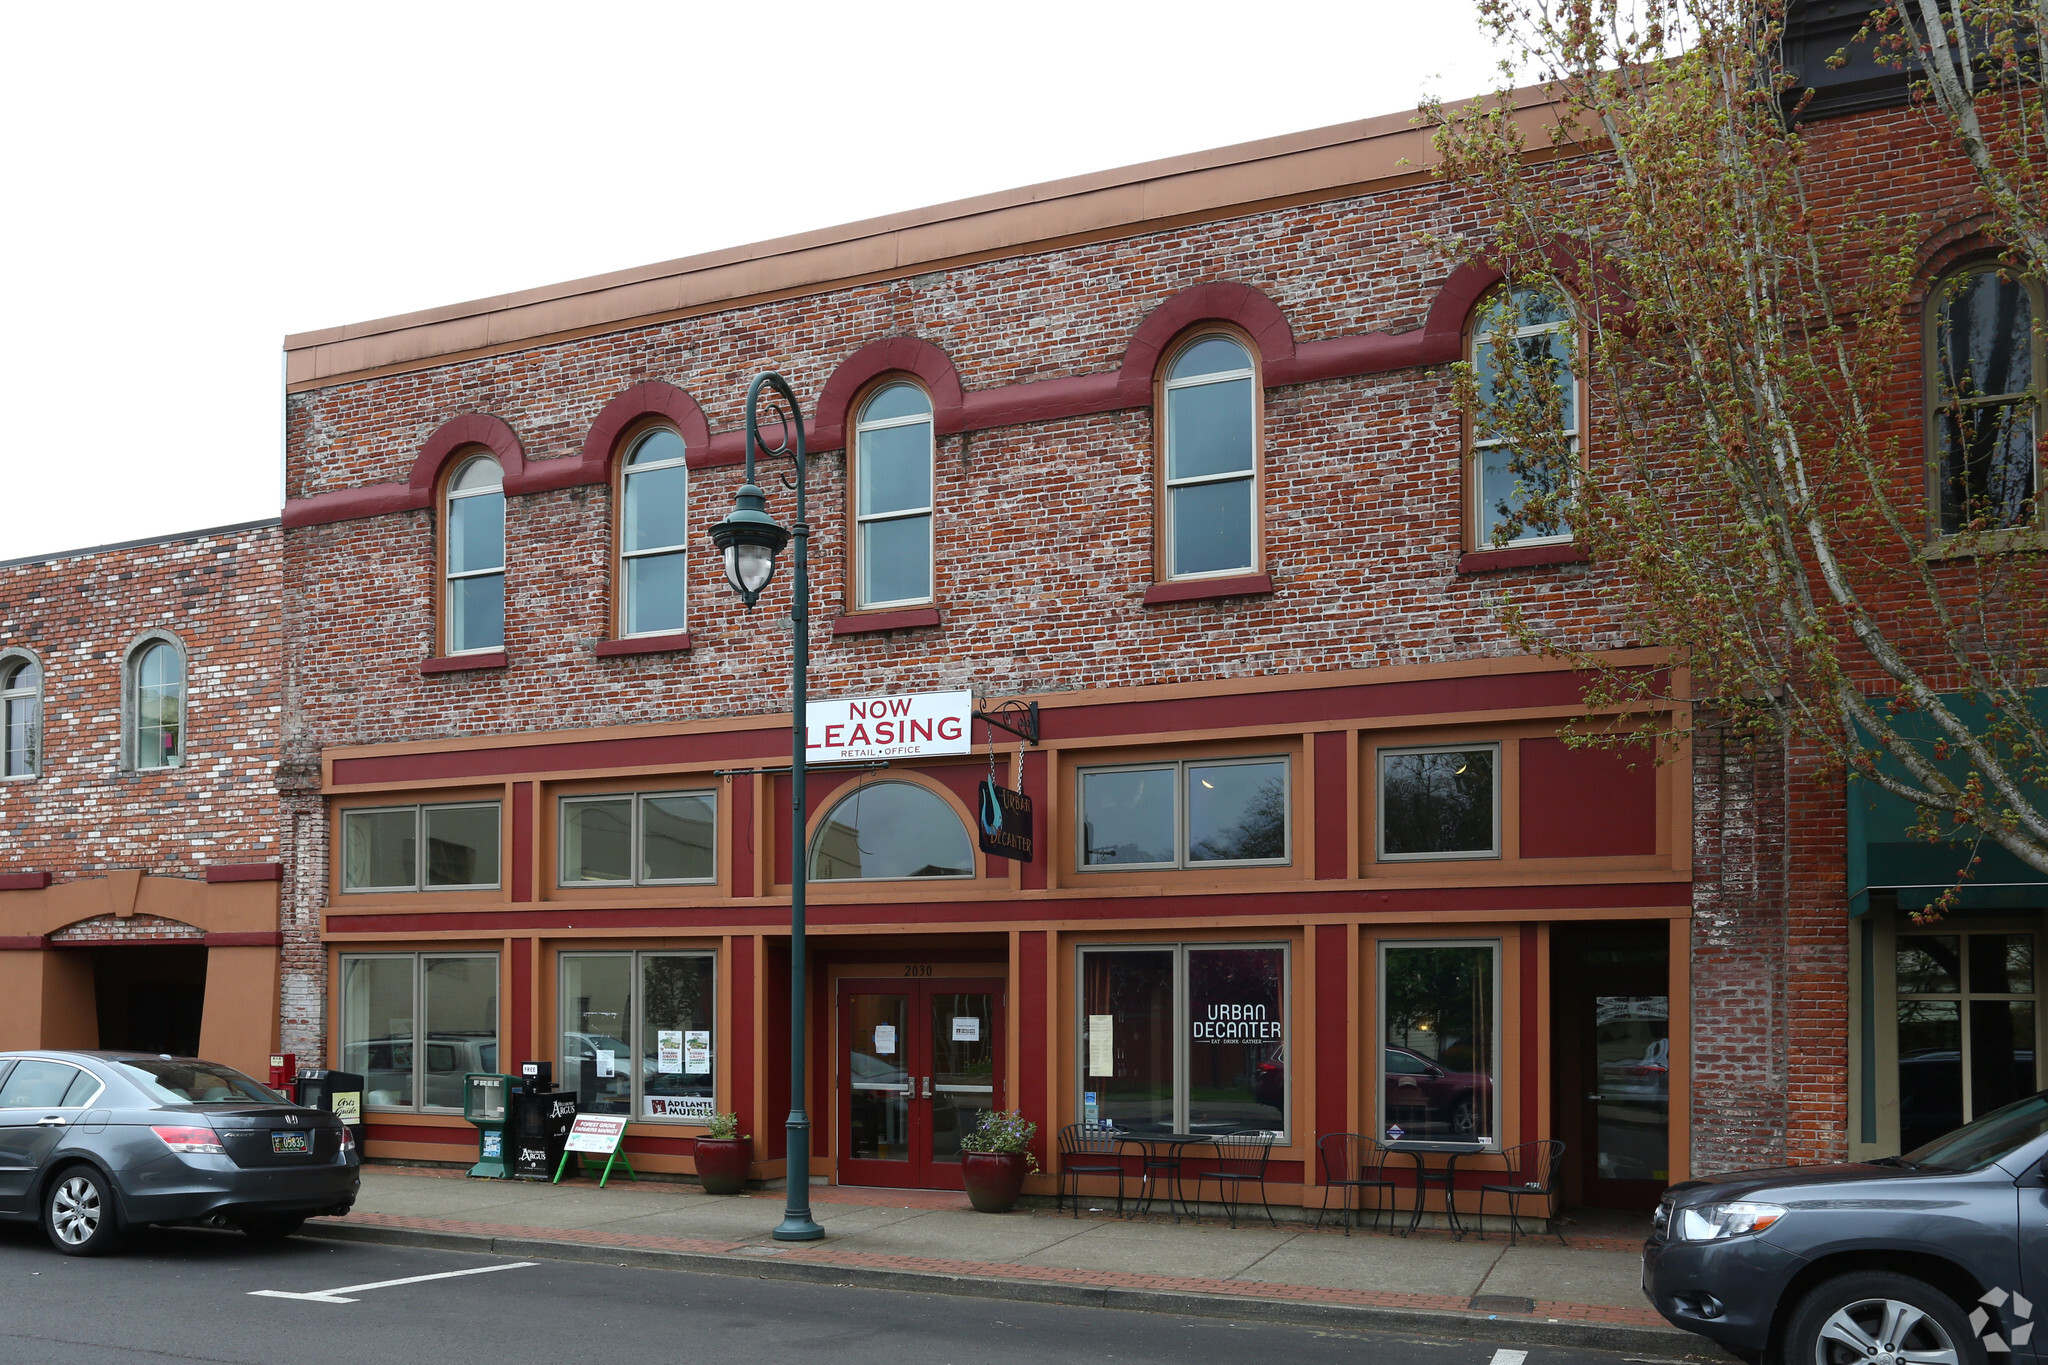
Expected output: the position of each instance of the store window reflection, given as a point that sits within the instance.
(414, 1024)
(1439, 1016)
(1966, 1028)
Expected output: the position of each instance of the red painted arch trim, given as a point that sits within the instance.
(653, 398)
(23, 881)
(457, 434)
(1237, 304)
(913, 356)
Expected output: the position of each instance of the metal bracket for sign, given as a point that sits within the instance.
(812, 767)
(1019, 718)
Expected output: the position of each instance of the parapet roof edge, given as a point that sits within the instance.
(173, 538)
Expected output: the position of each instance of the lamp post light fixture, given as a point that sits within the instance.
(749, 542)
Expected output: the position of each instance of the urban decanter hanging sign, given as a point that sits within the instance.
(863, 729)
(1004, 819)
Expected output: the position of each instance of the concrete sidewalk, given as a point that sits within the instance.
(1584, 1295)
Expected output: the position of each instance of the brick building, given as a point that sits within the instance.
(140, 845)
(1170, 452)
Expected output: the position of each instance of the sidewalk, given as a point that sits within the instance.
(933, 1242)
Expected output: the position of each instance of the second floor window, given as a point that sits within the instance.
(892, 499)
(654, 533)
(1196, 813)
(21, 717)
(1211, 424)
(1986, 387)
(638, 838)
(156, 706)
(474, 606)
(381, 848)
(1538, 388)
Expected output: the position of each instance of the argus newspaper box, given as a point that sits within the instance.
(595, 1135)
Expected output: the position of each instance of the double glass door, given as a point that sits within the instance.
(919, 1063)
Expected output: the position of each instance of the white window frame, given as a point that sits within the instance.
(1495, 1138)
(627, 472)
(637, 1009)
(1476, 459)
(450, 576)
(861, 520)
(12, 662)
(419, 845)
(1379, 802)
(419, 962)
(1182, 861)
(131, 702)
(1170, 387)
(634, 836)
(1182, 1021)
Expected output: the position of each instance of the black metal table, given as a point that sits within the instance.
(1161, 1152)
(1446, 1179)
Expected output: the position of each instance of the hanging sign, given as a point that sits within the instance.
(1004, 820)
(598, 1134)
(863, 729)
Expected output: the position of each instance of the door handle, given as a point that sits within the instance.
(52, 1121)
(1594, 1098)
(927, 1087)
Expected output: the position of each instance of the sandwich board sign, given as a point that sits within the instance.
(595, 1135)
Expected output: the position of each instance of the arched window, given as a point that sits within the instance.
(21, 716)
(892, 501)
(654, 532)
(474, 606)
(1503, 476)
(156, 705)
(884, 831)
(1985, 386)
(1211, 397)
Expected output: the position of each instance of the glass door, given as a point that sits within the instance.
(1628, 1101)
(919, 1062)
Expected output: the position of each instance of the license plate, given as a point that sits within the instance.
(291, 1142)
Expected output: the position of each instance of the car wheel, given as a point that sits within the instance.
(271, 1229)
(1461, 1117)
(1880, 1318)
(78, 1213)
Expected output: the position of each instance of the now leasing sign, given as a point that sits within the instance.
(859, 730)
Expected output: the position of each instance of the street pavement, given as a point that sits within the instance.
(199, 1295)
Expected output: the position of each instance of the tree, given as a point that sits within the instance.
(1746, 315)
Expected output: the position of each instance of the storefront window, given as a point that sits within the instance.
(409, 1067)
(886, 831)
(1184, 1039)
(642, 838)
(380, 849)
(1439, 803)
(1966, 1023)
(1190, 814)
(668, 1028)
(1440, 1041)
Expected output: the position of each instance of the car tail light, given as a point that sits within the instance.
(348, 1138)
(191, 1141)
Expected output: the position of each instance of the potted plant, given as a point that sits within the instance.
(722, 1155)
(995, 1158)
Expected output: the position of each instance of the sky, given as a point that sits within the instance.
(187, 185)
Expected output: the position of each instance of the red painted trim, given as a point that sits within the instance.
(742, 841)
(1029, 1095)
(520, 1044)
(1524, 557)
(522, 841)
(677, 643)
(264, 938)
(650, 399)
(350, 504)
(656, 1146)
(456, 435)
(464, 663)
(1238, 304)
(1333, 1023)
(464, 1136)
(23, 881)
(1333, 806)
(245, 872)
(875, 622)
(1209, 589)
(1442, 339)
(1530, 1026)
(1589, 802)
(909, 355)
(739, 988)
(543, 758)
(1366, 903)
(23, 943)
(1035, 788)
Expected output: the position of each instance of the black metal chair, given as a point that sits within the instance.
(1531, 1174)
(1353, 1161)
(1088, 1151)
(1240, 1160)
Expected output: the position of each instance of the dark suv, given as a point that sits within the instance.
(1932, 1258)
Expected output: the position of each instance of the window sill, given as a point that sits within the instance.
(23, 881)
(1209, 589)
(1519, 557)
(464, 663)
(876, 622)
(677, 643)
(1972, 544)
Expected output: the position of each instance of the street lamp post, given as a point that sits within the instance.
(749, 540)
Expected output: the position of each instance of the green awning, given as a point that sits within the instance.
(1884, 854)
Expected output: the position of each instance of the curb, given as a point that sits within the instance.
(1665, 1342)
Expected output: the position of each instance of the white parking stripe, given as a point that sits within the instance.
(334, 1295)
(1505, 1357)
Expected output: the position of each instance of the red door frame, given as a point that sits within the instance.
(918, 1171)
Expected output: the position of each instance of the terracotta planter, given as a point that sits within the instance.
(722, 1164)
(993, 1179)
